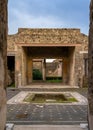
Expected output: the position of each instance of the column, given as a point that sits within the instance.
(24, 67)
(60, 69)
(71, 67)
(30, 70)
(18, 67)
(65, 70)
(44, 70)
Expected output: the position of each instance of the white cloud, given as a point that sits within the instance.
(26, 20)
(20, 18)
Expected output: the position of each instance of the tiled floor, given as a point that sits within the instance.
(46, 114)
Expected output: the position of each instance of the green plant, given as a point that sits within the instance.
(37, 75)
(54, 79)
(12, 85)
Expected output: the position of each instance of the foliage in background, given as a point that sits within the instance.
(37, 75)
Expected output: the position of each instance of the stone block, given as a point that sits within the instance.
(9, 126)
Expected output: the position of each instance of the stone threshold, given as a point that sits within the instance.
(47, 127)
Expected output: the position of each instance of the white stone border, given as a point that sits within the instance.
(18, 99)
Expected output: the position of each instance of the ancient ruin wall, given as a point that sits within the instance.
(46, 36)
(11, 43)
(90, 78)
(53, 36)
(3, 45)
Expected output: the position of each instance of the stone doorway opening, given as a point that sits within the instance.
(24, 63)
(37, 70)
(54, 70)
(47, 70)
(11, 70)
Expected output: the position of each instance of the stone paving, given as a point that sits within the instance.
(12, 92)
(46, 114)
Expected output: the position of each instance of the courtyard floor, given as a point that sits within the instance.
(42, 114)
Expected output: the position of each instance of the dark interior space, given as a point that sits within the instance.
(11, 70)
(11, 62)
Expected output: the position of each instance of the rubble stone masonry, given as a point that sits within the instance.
(90, 71)
(3, 53)
(46, 36)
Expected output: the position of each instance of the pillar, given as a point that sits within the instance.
(3, 63)
(72, 67)
(59, 69)
(44, 70)
(65, 70)
(18, 67)
(24, 67)
(30, 70)
(90, 70)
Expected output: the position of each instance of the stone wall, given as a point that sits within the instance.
(65, 37)
(11, 43)
(37, 65)
(79, 67)
(3, 45)
(54, 69)
(90, 77)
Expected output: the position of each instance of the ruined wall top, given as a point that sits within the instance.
(47, 31)
(46, 36)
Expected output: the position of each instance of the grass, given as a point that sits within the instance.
(54, 81)
(72, 99)
(12, 85)
(49, 98)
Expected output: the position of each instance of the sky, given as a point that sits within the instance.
(48, 14)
